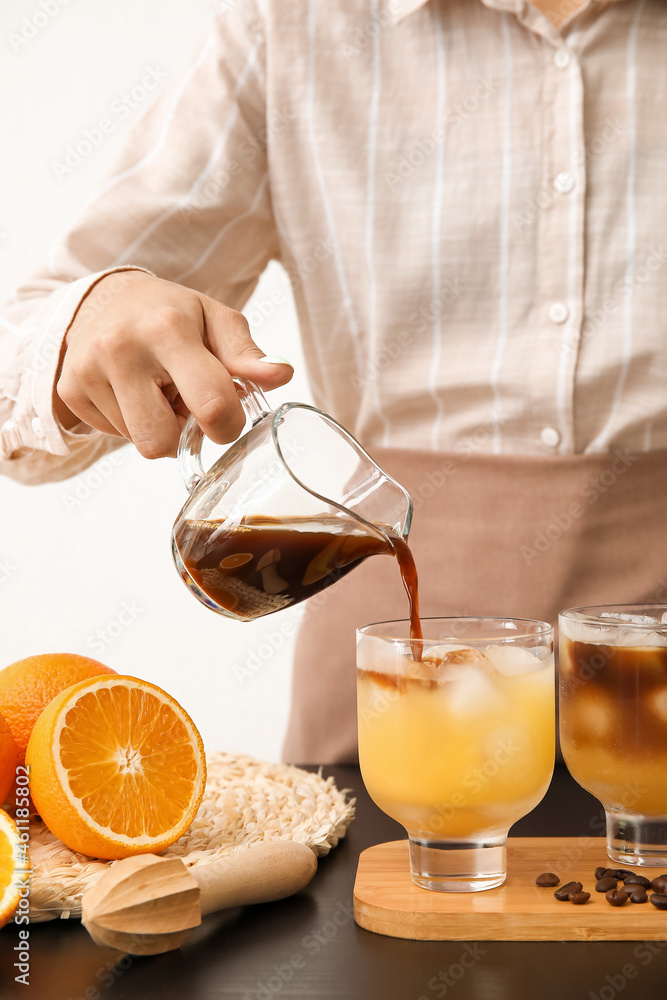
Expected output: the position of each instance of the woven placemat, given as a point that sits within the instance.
(246, 800)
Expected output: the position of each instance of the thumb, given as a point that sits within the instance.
(228, 337)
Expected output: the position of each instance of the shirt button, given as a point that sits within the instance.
(564, 183)
(558, 312)
(562, 59)
(550, 437)
(37, 428)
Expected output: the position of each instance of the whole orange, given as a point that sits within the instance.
(7, 759)
(27, 687)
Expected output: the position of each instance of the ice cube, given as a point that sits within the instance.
(471, 692)
(664, 618)
(376, 654)
(619, 616)
(657, 702)
(579, 631)
(501, 745)
(541, 652)
(456, 654)
(590, 715)
(640, 637)
(633, 636)
(510, 660)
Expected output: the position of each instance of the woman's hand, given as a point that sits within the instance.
(143, 353)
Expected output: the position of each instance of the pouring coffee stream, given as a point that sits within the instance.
(331, 507)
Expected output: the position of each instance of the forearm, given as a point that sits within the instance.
(35, 446)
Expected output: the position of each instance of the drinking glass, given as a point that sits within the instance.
(613, 721)
(456, 738)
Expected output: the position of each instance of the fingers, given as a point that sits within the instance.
(207, 391)
(103, 417)
(152, 425)
(228, 337)
(138, 410)
(157, 355)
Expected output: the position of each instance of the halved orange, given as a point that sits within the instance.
(117, 767)
(13, 867)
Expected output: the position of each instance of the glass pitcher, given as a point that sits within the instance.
(286, 511)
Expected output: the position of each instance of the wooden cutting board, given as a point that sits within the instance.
(388, 902)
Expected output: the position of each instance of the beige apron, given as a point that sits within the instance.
(517, 536)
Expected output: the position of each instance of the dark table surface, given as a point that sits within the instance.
(309, 946)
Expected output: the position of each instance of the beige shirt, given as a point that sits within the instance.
(471, 204)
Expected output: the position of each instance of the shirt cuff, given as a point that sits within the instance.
(33, 424)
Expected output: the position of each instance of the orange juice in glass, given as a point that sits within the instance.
(456, 738)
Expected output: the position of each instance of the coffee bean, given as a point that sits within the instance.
(564, 892)
(628, 889)
(610, 873)
(605, 884)
(600, 873)
(616, 898)
(659, 899)
(622, 873)
(637, 880)
(659, 883)
(579, 897)
(547, 878)
(639, 895)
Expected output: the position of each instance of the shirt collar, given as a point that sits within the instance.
(400, 9)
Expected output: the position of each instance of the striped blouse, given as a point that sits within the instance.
(470, 203)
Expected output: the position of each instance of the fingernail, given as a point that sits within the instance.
(273, 359)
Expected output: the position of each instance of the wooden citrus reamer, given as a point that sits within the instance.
(146, 905)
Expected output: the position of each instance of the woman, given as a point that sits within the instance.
(469, 199)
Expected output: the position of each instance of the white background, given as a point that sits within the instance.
(73, 554)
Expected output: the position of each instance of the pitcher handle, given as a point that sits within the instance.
(255, 406)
